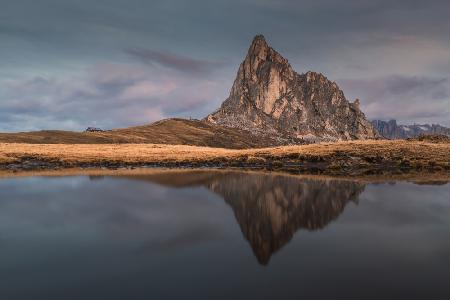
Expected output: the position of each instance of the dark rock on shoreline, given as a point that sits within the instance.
(338, 165)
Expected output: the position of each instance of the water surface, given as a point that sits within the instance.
(222, 235)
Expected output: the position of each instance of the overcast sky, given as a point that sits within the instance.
(69, 64)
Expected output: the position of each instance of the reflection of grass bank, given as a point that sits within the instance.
(341, 158)
(169, 174)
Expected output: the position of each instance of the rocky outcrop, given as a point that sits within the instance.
(391, 130)
(269, 98)
(94, 129)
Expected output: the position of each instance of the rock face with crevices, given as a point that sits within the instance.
(269, 98)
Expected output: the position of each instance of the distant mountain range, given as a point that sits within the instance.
(392, 130)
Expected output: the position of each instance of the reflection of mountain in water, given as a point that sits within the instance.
(271, 208)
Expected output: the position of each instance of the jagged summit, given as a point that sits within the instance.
(269, 97)
(259, 43)
(261, 50)
(259, 39)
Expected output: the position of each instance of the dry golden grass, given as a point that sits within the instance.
(136, 153)
(412, 152)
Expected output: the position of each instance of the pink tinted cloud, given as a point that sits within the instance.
(107, 95)
(110, 73)
(147, 89)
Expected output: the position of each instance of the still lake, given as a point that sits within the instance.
(222, 235)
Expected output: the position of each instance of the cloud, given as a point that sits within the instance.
(113, 74)
(146, 90)
(406, 98)
(66, 64)
(107, 95)
(175, 62)
(399, 85)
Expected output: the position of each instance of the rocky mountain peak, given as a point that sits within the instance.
(259, 55)
(259, 44)
(269, 97)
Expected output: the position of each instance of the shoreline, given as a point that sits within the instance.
(352, 158)
(417, 178)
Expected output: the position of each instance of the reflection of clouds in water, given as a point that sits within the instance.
(406, 204)
(172, 210)
(112, 208)
(406, 219)
(269, 209)
(185, 237)
(123, 236)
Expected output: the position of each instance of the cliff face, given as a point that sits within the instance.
(391, 130)
(269, 97)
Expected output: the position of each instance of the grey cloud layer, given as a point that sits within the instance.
(107, 95)
(408, 99)
(174, 61)
(63, 63)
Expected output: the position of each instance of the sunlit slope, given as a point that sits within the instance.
(170, 131)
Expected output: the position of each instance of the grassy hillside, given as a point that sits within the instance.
(171, 131)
